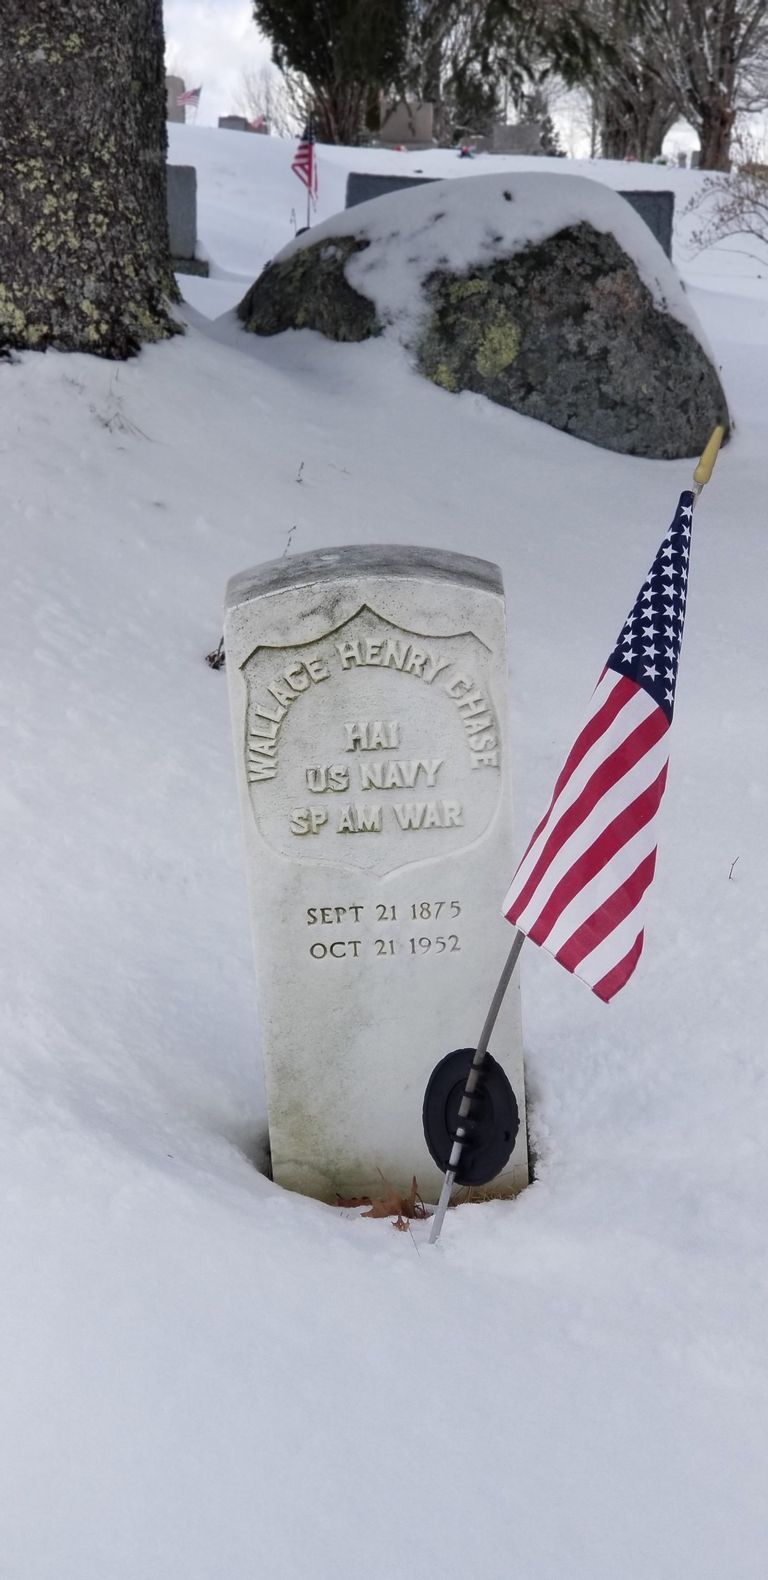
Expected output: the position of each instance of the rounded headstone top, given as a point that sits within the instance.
(363, 561)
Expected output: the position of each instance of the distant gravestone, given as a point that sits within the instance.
(407, 125)
(523, 138)
(234, 123)
(368, 692)
(656, 208)
(658, 211)
(362, 186)
(174, 87)
(182, 219)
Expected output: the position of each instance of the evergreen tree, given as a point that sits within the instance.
(347, 50)
(84, 260)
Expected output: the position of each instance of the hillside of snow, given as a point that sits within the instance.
(250, 203)
(205, 1376)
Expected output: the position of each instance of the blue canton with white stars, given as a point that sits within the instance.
(648, 649)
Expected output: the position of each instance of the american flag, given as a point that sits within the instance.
(191, 96)
(580, 887)
(305, 162)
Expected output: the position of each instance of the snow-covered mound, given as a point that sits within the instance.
(412, 234)
(250, 202)
(546, 293)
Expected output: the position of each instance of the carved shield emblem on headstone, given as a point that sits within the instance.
(373, 746)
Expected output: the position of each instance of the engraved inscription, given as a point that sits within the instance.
(267, 715)
(428, 814)
(335, 777)
(389, 775)
(360, 820)
(376, 732)
(411, 946)
(370, 735)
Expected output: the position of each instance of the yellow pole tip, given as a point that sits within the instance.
(703, 471)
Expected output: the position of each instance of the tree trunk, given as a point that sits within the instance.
(84, 259)
(615, 126)
(634, 123)
(653, 124)
(715, 131)
(338, 112)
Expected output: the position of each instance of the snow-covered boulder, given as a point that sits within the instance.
(546, 293)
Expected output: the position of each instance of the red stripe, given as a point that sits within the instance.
(593, 729)
(607, 917)
(609, 985)
(605, 776)
(612, 839)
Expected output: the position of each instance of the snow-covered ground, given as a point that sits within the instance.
(204, 1376)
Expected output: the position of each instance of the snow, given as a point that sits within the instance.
(475, 222)
(204, 1375)
(250, 204)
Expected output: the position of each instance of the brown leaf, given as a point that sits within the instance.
(391, 1204)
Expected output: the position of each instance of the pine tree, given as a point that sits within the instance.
(84, 260)
(347, 51)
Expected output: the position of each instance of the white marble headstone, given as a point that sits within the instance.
(368, 690)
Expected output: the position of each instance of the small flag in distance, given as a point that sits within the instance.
(190, 96)
(580, 888)
(304, 163)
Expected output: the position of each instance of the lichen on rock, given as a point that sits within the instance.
(84, 258)
(309, 290)
(566, 331)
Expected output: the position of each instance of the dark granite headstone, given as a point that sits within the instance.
(656, 208)
(182, 219)
(658, 211)
(361, 188)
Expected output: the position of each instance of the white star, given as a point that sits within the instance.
(629, 655)
(686, 514)
(686, 531)
(670, 695)
(650, 669)
(650, 652)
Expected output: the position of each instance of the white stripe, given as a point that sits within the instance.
(605, 686)
(639, 707)
(613, 948)
(616, 800)
(602, 886)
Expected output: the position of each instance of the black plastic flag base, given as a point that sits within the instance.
(490, 1128)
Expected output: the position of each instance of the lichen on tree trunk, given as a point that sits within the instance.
(84, 258)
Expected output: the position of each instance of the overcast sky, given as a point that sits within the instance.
(209, 42)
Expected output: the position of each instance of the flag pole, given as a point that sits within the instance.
(709, 455)
(474, 1079)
